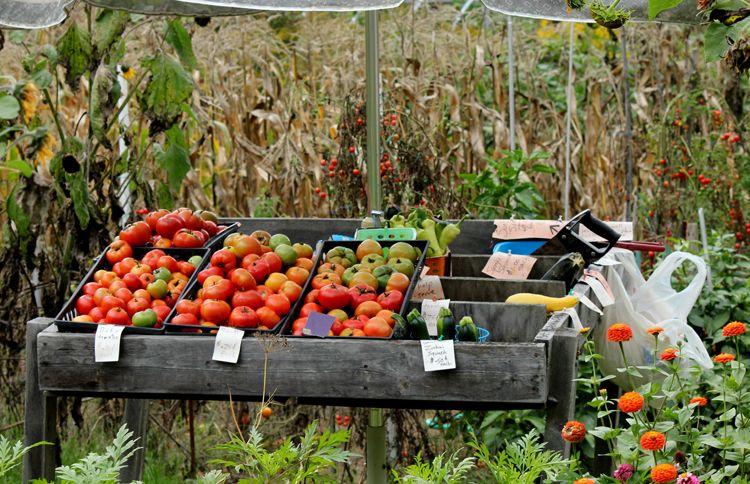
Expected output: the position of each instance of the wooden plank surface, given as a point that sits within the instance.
(496, 290)
(357, 373)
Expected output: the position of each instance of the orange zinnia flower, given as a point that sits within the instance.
(701, 401)
(653, 440)
(735, 328)
(724, 358)
(573, 431)
(584, 480)
(669, 354)
(619, 332)
(654, 330)
(630, 402)
(664, 473)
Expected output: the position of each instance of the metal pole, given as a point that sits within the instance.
(376, 469)
(372, 99)
(568, 122)
(511, 86)
(628, 130)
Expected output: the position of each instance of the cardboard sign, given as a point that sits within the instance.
(430, 310)
(428, 287)
(625, 229)
(318, 324)
(227, 345)
(509, 266)
(512, 229)
(438, 355)
(107, 343)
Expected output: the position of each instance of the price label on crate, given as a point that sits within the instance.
(428, 287)
(227, 345)
(430, 310)
(107, 343)
(512, 229)
(438, 355)
(509, 266)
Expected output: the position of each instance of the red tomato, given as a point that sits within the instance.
(309, 308)
(109, 302)
(336, 327)
(259, 269)
(248, 260)
(117, 269)
(100, 294)
(224, 259)
(278, 303)
(117, 316)
(168, 225)
(185, 267)
(191, 220)
(243, 317)
(169, 262)
(361, 293)
(206, 273)
(152, 217)
(152, 257)
(273, 260)
(136, 234)
(291, 290)
(188, 238)
(163, 243)
(97, 315)
(128, 263)
(221, 289)
(298, 325)
(146, 279)
(268, 317)
(312, 296)
(185, 318)
(242, 279)
(124, 293)
(139, 269)
(118, 250)
(326, 278)
(162, 311)
(132, 281)
(353, 324)
(137, 304)
(90, 288)
(333, 296)
(142, 293)
(391, 300)
(117, 285)
(252, 299)
(215, 311)
(210, 227)
(85, 304)
(188, 307)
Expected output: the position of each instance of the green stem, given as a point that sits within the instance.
(656, 463)
(55, 116)
(627, 366)
(724, 416)
(595, 385)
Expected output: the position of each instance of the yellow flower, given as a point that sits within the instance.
(44, 153)
(547, 30)
(29, 101)
(128, 73)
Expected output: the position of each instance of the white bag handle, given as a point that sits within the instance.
(658, 299)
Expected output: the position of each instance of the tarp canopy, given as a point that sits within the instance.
(45, 13)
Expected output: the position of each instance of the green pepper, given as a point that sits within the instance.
(428, 233)
(397, 221)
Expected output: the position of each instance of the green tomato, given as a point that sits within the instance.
(157, 289)
(145, 319)
(195, 260)
(163, 274)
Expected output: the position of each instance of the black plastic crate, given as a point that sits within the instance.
(63, 320)
(353, 244)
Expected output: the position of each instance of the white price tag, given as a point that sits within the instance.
(601, 293)
(428, 287)
(587, 302)
(227, 345)
(438, 355)
(107, 343)
(607, 262)
(573, 317)
(430, 310)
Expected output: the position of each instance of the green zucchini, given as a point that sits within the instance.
(467, 330)
(401, 328)
(417, 325)
(446, 326)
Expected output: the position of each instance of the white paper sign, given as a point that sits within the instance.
(587, 302)
(573, 317)
(438, 355)
(227, 345)
(429, 287)
(107, 343)
(625, 229)
(601, 293)
(430, 310)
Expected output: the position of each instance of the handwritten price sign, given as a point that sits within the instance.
(525, 229)
(438, 355)
(509, 266)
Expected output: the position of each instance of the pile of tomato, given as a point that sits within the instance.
(180, 228)
(360, 288)
(251, 283)
(134, 292)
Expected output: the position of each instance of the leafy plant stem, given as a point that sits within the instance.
(724, 415)
(55, 115)
(627, 366)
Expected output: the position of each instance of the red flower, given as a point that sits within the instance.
(654, 330)
(669, 354)
(664, 473)
(735, 328)
(653, 440)
(630, 402)
(701, 401)
(619, 332)
(573, 432)
(724, 358)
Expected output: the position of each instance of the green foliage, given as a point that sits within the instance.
(168, 87)
(174, 159)
(523, 461)
(104, 98)
(503, 189)
(443, 470)
(110, 24)
(12, 453)
(101, 468)
(76, 53)
(9, 107)
(655, 7)
(290, 462)
(181, 42)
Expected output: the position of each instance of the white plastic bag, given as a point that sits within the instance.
(642, 304)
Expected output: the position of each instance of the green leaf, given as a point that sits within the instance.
(76, 53)
(655, 7)
(20, 165)
(79, 192)
(180, 40)
(175, 159)
(110, 24)
(17, 36)
(715, 43)
(168, 87)
(542, 168)
(104, 98)
(17, 215)
(9, 107)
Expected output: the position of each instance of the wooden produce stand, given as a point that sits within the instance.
(529, 361)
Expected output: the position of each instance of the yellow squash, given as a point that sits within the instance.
(552, 303)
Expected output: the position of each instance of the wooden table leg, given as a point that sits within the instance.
(562, 388)
(136, 418)
(40, 413)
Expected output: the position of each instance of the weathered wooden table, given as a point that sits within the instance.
(530, 362)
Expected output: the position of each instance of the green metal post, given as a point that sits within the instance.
(372, 98)
(376, 468)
